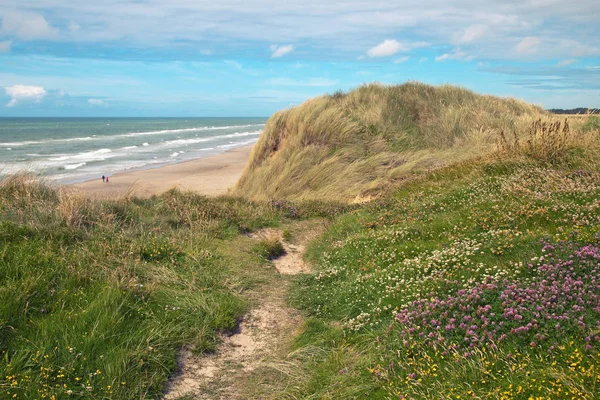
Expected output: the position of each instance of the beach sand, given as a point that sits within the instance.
(210, 176)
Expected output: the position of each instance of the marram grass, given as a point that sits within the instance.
(353, 146)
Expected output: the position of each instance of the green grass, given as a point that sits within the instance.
(592, 124)
(96, 299)
(474, 224)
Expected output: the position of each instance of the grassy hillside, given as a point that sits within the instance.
(479, 280)
(352, 145)
(97, 298)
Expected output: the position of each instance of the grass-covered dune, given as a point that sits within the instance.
(349, 146)
(480, 280)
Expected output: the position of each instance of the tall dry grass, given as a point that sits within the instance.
(353, 145)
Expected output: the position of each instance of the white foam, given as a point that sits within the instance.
(238, 144)
(94, 155)
(74, 166)
(124, 135)
(211, 138)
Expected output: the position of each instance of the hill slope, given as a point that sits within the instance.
(348, 145)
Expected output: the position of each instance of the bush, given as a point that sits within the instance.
(270, 248)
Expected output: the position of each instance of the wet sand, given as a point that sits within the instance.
(210, 176)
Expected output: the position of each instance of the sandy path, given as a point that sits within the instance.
(260, 333)
(210, 176)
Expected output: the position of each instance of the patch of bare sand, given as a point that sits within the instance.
(260, 335)
(292, 262)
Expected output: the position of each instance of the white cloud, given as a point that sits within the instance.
(386, 48)
(422, 60)
(5, 46)
(96, 102)
(280, 51)
(472, 34)
(528, 45)
(74, 27)
(389, 47)
(456, 54)
(401, 60)
(334, 29)
(21, 93)
(566, 63)
(27, 26)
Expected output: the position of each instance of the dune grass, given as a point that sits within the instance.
(353, 146)
(97, 298)
(478, 280)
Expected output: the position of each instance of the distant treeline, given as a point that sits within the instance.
(580, 110)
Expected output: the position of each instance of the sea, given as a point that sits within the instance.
(71, 150)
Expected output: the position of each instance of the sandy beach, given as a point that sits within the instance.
(210, 176)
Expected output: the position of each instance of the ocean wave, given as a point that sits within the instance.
(73, 166)
(125, 135)
(28, 142)
(93, 155)
(199, 129)
(210, 138)
(236, 144)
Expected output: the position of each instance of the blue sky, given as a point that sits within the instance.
(251, 58)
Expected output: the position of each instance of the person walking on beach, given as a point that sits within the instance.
(103, 178)
(107, 179)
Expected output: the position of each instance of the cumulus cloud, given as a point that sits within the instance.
(401, 60)
(280, 51)
(386, 48)
(23, 93)
(96, 102)
(27, 26)
(335, 30)
(389, 47)
(456, 54)
(472, 34)
(528, 45)
(5, 46)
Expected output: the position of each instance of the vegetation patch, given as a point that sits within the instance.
(355, 145)
(97, 299)
(480, 280)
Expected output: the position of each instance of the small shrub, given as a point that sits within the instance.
(287, 235)
(270, 248)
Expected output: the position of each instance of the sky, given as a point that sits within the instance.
(152, 58)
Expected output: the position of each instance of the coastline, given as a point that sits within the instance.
(210, 176)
